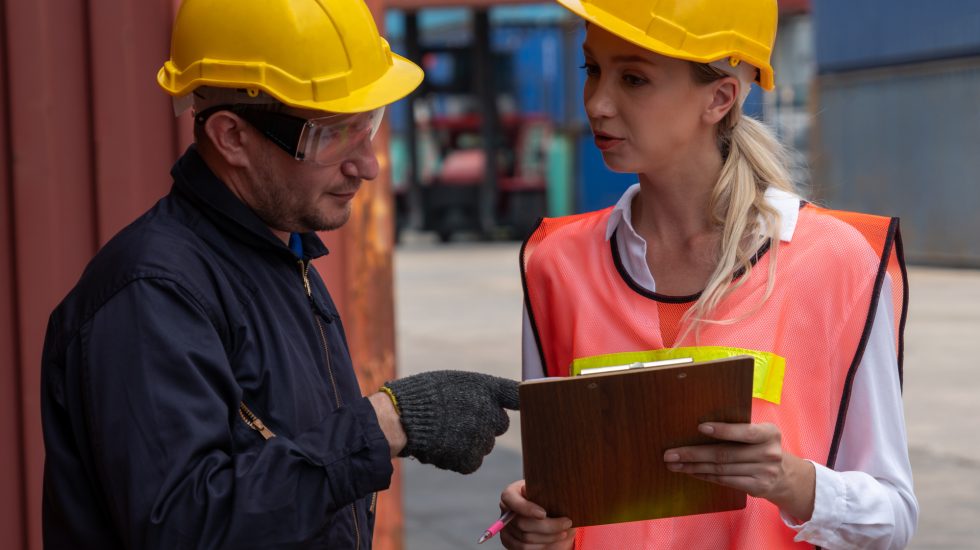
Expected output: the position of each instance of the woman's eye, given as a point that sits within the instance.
(633, 80)
(591, 69)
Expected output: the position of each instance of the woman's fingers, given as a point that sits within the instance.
(531, 528)
(517, 540)
(716, 469)
(748, 443)
(723, 453)
(750, 460)
(756, 478)
(741, 433)
(537, 530)
(513, 498)
(529, 533)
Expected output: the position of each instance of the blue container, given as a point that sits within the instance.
(536, 58)
(861, 34)
(905, 143)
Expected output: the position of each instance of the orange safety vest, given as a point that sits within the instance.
(828, 279)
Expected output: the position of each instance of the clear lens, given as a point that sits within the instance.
(331, 139)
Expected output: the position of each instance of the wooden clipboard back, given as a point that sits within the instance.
(593, 445)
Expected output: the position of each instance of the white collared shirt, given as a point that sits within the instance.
(867, 500)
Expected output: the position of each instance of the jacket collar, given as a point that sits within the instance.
(194, 180)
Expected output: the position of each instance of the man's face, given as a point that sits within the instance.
(300, 196)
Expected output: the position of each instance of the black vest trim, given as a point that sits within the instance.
(527, 295)
(892, 241)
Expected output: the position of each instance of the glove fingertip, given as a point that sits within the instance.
(470, 467)
(502, 424)
(508, 395)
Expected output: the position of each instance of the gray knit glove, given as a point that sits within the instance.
(452, 417)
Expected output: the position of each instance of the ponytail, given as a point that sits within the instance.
(754, 161)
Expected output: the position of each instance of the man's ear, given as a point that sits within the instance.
(724, 96)
(229, 136)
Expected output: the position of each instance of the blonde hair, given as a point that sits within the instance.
(754, 161)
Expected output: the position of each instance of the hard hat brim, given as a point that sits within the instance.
(630, 33)
(399, 80)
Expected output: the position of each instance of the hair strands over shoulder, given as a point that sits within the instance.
(754, 161)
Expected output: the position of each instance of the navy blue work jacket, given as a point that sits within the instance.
(193, 310)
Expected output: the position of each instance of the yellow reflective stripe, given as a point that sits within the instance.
(767, 383)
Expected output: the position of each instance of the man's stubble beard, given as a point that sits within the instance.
(284, 212)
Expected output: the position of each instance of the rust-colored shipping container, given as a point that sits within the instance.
(86, 144)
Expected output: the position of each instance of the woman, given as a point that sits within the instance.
(714, 252)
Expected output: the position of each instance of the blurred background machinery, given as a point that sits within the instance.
(477, 149)
(496, 137)
(876, 98)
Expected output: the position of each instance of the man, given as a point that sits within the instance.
(197, 388)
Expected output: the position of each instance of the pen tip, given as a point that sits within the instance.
(483, 538)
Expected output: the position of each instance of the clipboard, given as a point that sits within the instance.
(593, 445)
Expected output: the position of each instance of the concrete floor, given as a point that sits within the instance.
(459, 306)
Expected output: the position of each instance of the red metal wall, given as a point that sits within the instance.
(86, 145)
(11, 465)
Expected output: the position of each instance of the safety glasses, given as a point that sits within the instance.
(323, 140)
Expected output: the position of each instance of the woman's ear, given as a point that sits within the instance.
(724, 96)
(229, 136)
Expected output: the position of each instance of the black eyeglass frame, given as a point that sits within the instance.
(280, 128)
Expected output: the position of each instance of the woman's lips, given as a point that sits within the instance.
(606, 142)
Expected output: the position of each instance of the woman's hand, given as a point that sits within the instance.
(531, 528)
(751, 460)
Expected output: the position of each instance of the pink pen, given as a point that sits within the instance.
(497, 526)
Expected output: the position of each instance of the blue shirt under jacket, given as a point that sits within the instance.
(192, 310)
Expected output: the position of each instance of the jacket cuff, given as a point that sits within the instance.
(374, 464)
(350, 446)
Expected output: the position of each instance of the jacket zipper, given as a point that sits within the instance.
(305, 271)
(254, 422)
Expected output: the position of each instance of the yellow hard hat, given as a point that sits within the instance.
(314, 54)
(696, 30)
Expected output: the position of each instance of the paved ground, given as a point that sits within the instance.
(459, 306)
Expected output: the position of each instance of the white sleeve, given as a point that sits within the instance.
(867, 501)
(531, 356)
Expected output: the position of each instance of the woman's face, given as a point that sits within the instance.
(645, 109)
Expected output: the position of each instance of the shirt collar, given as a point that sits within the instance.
(622, 212)
(786, 203)
(194, 180)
